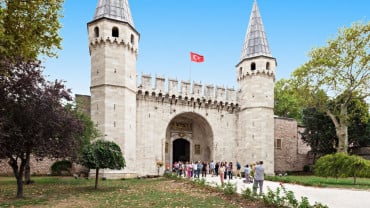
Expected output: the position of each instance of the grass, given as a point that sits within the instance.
(68, 192)
(361, 183)
(158, 192)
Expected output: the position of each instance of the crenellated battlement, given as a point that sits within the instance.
(113, 40)
(184, 90)
(269, 73)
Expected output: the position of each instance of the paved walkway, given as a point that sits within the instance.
(332, 197)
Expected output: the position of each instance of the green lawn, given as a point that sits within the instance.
(361, 183)
(158, 192)
(155, 192)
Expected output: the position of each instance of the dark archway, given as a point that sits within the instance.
(181, 150)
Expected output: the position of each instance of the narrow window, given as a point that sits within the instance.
(240, 71)
(96, 32)
(278, 144)
(268, 66)
(115, 32)
(253, 66)
(132, 39)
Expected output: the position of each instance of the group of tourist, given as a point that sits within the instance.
(222, 169)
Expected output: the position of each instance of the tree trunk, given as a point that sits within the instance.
(18, 174)
(341, 129)
(27, 170)
(96, 178)
(342, 134)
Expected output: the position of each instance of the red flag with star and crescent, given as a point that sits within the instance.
(196, 57)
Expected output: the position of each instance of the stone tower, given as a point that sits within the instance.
(113, 46)
(256, 76)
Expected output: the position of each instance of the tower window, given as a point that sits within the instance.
(240, 71)
(115, 32)
(253, 66)
(132, 39)
(278, 144)
(96, 32)
(268, 66)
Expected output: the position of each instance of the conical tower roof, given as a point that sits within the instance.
(255, 43)
(114, 9)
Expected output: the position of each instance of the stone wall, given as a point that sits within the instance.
(37, 167)
(213, 129)
(290, 151)
(186, 90)
(363, 152)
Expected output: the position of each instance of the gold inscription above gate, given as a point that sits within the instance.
(180, 126)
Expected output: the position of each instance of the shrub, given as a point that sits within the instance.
(342, 165)
(248, 194)
(306, 168)
(61, 167)
(229, 189)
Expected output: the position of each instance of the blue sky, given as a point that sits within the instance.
(170, 29)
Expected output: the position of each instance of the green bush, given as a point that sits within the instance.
(61, 167)
(341, 165)
(248, 194)
(229, 188)
(306, 168)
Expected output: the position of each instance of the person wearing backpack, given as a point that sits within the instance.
(238, 167)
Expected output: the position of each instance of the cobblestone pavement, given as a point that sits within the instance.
(332, 197)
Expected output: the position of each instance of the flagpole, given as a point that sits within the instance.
(190, 71)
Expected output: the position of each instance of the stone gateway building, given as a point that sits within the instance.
(179, 120)
(188, 121)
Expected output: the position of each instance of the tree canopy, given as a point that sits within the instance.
(287, 103)
(340, 69)
(29, 28)
(319, 132)
(34, 118)
(102, 154)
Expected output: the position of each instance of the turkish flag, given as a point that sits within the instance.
(196, 57)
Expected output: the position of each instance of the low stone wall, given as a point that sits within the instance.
(38, 167)
(363, 152)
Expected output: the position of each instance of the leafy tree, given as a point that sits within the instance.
(358, 119)
(102, 154)
(29, 28)
(287, 103)
(1, 27)
(319, 132)
(340, 69)
(90, 132)
(34, 119)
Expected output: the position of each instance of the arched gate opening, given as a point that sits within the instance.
(189, 137)
(181, 150)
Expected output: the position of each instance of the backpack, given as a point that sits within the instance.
(238, 166)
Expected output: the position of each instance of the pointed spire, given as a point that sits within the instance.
(114, 9)
(255, 43)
